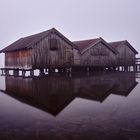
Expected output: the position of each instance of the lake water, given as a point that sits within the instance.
(98, 106)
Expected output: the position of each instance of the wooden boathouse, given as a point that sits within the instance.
(50, 50)
(95, 53)
(46, 50)
(126, 56)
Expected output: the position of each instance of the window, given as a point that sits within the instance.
(53, 44)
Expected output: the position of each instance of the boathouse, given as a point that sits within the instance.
(126, 53)
(49, 49)
(95, 53)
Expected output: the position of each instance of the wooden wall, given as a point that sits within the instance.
(52, 51)
(77, 56)
(125, 56)
(18, 59)
(98, 55)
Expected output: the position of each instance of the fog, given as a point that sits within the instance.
(76, 19)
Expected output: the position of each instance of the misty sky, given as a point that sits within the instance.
(77, 19)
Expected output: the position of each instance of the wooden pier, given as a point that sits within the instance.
(66, 70)
(42, 72)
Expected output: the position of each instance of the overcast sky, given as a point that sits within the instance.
(77, 19)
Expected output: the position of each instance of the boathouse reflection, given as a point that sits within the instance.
(53, 93)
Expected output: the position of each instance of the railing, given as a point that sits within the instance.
(137, 61)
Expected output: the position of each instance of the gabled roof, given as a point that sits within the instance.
(84, 45)
(124, 42)
(30, 41)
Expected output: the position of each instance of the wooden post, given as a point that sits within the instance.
(114, 68)
(59, 70)
(23, 73)
(46, 70)
(125, 68)
(6, 72)
(41, 72)
(68, 70)
(118, 68)
(64, 70)
(134, 68)
(2, 72)
(31, 72)
(128, 68)
(16, 72)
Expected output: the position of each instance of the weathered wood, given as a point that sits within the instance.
(52, 51)
(18, 59)
(126, 53)
(125, 56)
(44, 56)
(98, 55)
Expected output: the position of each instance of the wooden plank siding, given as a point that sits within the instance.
(51, 49)
(77, 57)
(45, 56)
(18, 59)
(125, 56)
(126, 53)
(98, 55)
(42, 55)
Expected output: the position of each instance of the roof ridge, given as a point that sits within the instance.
(38, 33)
(82, 44)
(39, 38)
(86, 39)
(29, 41)
(117, 41)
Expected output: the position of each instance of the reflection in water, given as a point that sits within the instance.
(53, 94)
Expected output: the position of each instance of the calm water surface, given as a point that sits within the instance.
(101, 106)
